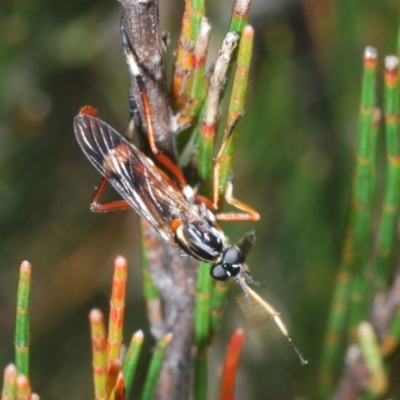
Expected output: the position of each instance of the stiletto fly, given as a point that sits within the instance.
(181, 217)
(176, 213)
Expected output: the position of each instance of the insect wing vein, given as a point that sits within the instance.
(132, 174)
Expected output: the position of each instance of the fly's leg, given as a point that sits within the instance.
(248, 214)
(135, 71)
(116, 205)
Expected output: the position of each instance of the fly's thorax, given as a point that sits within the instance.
(230, 265)
(115, 157)
(201, 240)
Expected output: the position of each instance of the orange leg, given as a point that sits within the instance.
(135, 71)
(173, 168)
(249, 213)
(116, 205)
(199, 199)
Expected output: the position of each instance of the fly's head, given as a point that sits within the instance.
(201, 240)
(230, 264)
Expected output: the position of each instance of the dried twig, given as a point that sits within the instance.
(175, 278)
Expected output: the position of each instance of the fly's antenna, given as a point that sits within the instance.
(275, 315)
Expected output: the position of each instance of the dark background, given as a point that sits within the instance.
(293, 164)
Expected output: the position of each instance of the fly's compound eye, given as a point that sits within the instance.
(219, 272)
(203, 243)
(232, 255)
(230, 265)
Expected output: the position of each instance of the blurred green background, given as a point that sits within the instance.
(293, 164)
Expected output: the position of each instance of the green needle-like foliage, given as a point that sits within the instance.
(197, 13)
(336, 322)
(240, 15)
(131, 360)
(362, 206)
(218, 304)
(365, 275)
(389, 218)
(22, 330)
(155, 367)
(202, 330)
(236, 104)
(352, 278)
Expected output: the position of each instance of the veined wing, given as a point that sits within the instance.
(133, 175)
